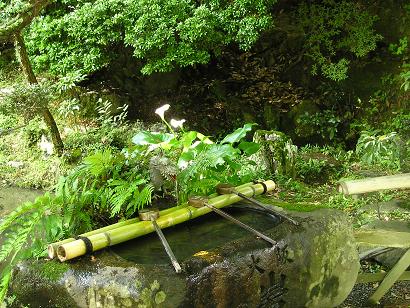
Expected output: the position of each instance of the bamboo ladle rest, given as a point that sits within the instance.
(225, 189)
(199, 202)
(152, 215)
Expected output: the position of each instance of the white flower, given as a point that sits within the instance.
(176, 123)
(161, 110)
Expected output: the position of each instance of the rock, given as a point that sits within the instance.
(314, 264)
(277, 154)
(15, 164)
(46, 146)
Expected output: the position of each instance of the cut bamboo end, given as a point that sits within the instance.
(61, 253)
(197, 201)
(148, 214)
(224, 188)
(52, 251)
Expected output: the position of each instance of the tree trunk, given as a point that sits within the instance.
(31, 77)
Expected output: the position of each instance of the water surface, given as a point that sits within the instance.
(186, 239)
(11, 197)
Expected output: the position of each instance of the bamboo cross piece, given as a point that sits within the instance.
(76, 248)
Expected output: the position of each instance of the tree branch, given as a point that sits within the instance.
(22, 20)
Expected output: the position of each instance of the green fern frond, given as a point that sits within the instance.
(18, 212)
(125, 192)
(141, 198)
(4, 282)
(99, 163)
(203, 187)
(210, 157)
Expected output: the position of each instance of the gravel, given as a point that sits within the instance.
(397, 297)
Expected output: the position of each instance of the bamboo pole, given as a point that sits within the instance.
(52, 248)
(118, 235)
(392, 276)
(382, 238)
(376, 277)
(355, 187)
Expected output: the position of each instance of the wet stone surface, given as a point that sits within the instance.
(11, 197)
(313, 265)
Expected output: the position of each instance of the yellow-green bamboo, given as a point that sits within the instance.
(52, 248)
(382, 238)
(118, 235)
(355, 187)
(392, 276)
(376, 277)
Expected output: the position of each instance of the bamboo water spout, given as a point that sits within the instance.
(356, 187)
(121, 234)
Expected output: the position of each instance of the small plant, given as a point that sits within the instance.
(384, 150)
(316, 164)
(333, 28)
(326, 123)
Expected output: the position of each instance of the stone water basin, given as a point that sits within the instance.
(314, 264)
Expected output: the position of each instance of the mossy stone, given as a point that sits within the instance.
(277, 154)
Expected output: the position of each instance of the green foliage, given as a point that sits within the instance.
(334, 28)
(33, 131)
(199, 162)
(326, 123)
(25, 232)
(385, 150)
(83, 36)
(402, 50)
(28, 98)
(316, 164)
(107, 184)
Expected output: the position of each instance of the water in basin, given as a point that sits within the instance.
(191, 237)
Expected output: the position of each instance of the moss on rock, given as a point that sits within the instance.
(277, 153)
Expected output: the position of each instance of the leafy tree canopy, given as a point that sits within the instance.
(164, 34)
(334, 30)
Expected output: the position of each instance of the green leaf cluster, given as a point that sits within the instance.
(333, 30)
(382, 149)
(107, 184)
(86, 35)
(200, 163)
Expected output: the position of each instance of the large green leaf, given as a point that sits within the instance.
(185, 158)
(145, 138)
(238, 134)
(249, 148)
(187, 138)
